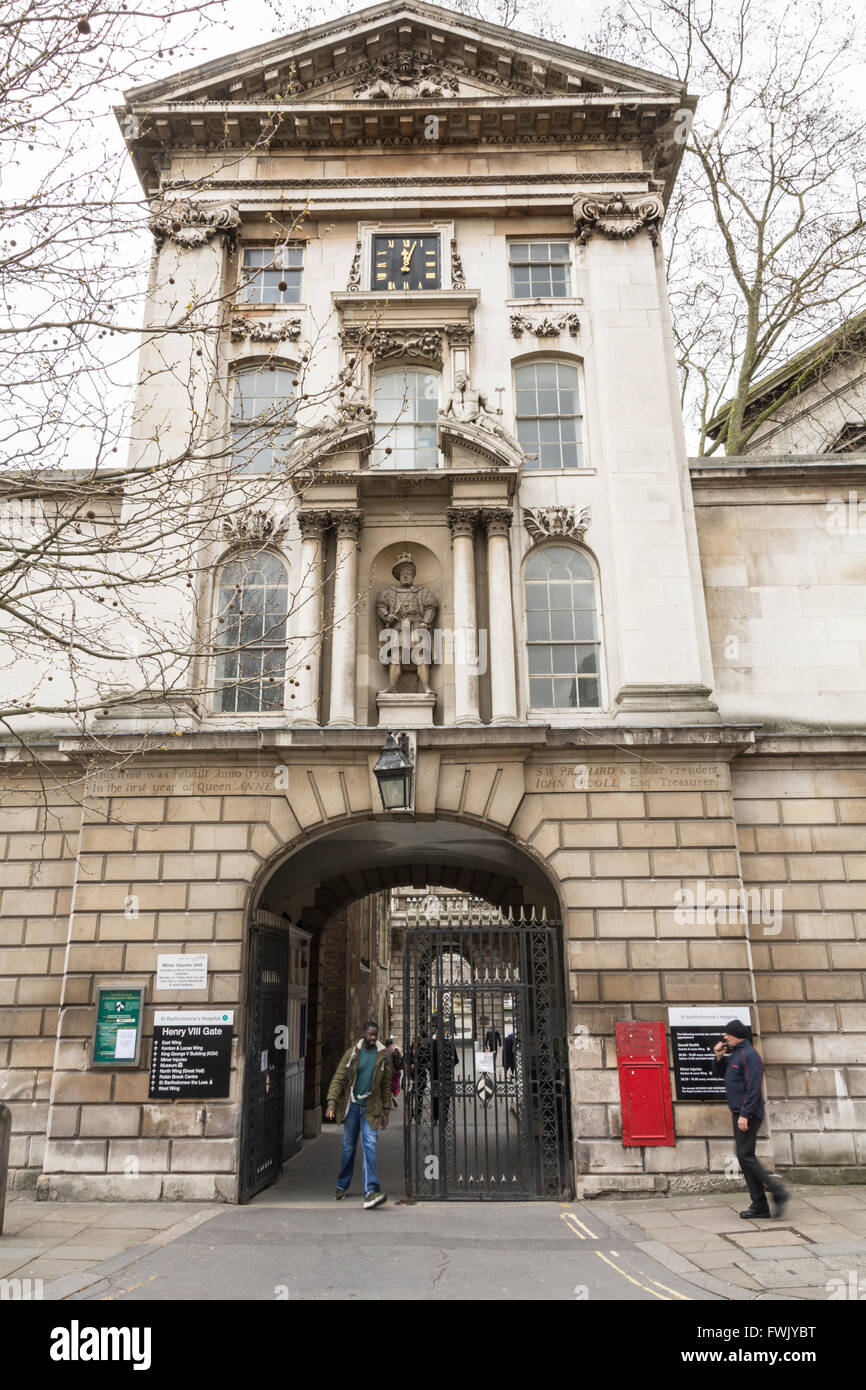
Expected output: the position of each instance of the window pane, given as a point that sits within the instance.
(564, 660)
(539, 661)
(562, 626)
(565, 693)
(541, 694)
(590, 694)
(538, 627)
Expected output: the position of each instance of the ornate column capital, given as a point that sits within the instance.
(348, 523)
(618, 218)
(497, 520)
(462, 520)
(313, 524)
(190, 225)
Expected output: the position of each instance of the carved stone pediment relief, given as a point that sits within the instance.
(618, 218)
(346, 424)
(414, 344)
(566, 523)
(264, 331)
(482, 443)
(190, 225)
(252, 527)
(546, 326)
(405, 77)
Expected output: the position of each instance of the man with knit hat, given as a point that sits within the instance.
(743, 1071)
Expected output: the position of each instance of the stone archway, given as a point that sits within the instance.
(319, 880)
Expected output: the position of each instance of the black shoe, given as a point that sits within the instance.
(780, 1201)
(755, 1211)
(375, 1198)
(340, 1193)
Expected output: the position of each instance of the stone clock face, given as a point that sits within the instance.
(406, 262)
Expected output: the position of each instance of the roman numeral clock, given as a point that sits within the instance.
(405, 262)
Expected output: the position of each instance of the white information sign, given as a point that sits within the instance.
(181, 972)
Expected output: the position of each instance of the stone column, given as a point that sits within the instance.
(344, 642)
(306, 650)
(497, 522)
(462, 521)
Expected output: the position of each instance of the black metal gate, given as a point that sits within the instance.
(267, 995)
(487, 1106)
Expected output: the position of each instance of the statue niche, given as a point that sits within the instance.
(406, 612)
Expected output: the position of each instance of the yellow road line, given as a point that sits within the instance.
(572, 1223)
(683, 1296)
(637, 1282)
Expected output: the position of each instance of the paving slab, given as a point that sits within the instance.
(749, 1239)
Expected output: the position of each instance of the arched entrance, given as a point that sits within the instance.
(486, 1113)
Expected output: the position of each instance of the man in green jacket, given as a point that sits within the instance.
(362, 1089)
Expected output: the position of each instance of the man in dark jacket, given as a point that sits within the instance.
(361, 1092)
(743, 1071)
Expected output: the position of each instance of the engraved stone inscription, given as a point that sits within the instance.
(633, 776)
(191, 781)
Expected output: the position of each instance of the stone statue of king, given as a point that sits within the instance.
(406, 612)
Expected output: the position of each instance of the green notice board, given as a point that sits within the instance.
(117, 1031)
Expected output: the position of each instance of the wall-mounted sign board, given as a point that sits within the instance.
(117, 1028)
(693, 1033)
(192, 1054)
(182, 971)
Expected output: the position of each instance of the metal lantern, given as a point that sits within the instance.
(394, 774)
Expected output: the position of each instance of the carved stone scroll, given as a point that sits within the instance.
(190, 225)
(545, 327)
(618, 218)
(252, 528)
(263, 331)
(542, 523)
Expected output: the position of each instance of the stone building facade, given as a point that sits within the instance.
(670, 700)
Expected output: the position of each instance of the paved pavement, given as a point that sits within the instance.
(295, 1242)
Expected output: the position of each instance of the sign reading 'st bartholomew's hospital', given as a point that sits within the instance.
(693, 1035)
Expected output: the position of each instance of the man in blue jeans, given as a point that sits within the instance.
(362, 1089)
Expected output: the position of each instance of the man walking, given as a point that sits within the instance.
(743, 1071)
(362, 1089)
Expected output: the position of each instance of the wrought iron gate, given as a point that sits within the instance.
(487, 1106)
(264, 1092)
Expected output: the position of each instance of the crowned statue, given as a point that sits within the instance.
(406, 612)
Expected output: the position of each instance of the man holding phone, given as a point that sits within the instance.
(743, 1071)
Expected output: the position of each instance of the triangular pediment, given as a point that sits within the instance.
(399, 51)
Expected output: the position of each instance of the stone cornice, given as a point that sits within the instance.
(740, 473)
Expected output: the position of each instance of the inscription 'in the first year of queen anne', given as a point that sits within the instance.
(631, 776)
(190, 781)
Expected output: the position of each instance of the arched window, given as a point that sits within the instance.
(562, 629)
(549, 420)
(251, 613)
(406, 404)
(262, 416)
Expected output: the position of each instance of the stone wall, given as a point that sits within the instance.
(783, 557)
(801, 815)
(39, 827)
(173, 855)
